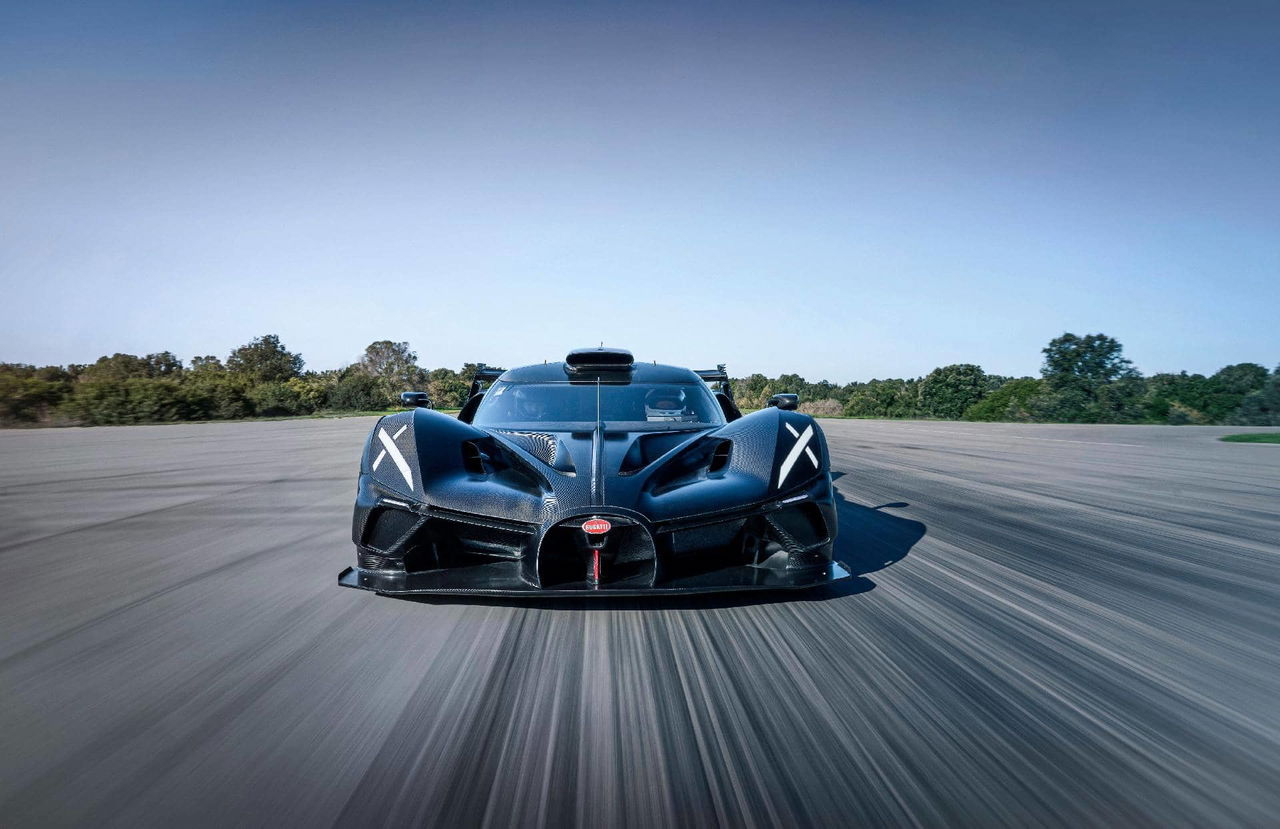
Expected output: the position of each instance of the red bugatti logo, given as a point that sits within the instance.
(596, 526)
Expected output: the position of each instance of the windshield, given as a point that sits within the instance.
(632, 406)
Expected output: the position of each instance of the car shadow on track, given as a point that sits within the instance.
(873, 538)
(869, 539)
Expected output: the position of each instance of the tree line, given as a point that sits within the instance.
(259, 379)
(1084, 379)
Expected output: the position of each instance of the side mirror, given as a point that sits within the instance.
(786, 402)
(415, 399)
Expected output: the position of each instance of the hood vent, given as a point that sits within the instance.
(545, 447)
(646, 449)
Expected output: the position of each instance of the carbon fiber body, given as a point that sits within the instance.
(447, 507)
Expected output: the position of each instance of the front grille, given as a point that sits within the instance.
(628, 557)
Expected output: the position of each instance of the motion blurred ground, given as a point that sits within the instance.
(1052, 624)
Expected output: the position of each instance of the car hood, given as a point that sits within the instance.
(542, 476)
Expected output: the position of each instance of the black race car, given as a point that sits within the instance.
(597, 475)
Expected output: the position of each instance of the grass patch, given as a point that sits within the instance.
(1253, 437)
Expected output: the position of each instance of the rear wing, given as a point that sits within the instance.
(718, 379)
(484, 374)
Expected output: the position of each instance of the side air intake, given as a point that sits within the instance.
(720, 457)
(474, 458)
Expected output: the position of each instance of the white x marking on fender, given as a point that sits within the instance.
(391, 449)
(801, 445)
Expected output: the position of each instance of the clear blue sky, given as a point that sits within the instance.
(848, 191)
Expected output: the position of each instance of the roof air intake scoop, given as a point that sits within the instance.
(599, 359)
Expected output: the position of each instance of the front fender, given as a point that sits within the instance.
(774, 452)
(421, 455)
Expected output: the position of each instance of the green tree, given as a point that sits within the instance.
(1119, 402)
(1163, 390)
(448, 388)
(1226, 390)
(26, 398)
(1241, 378)
(116, 367)
(395, 366)
(206, 364)
(357, 391)
(265, 360)
(1180, 415)
(133, 400)
(1093, 359)
(1010, 402)
(790, 384)
(1262, 407)
(128, 366)
(821, 390)
(164, 364)
(948, 391)
(1076, 369)
(883, 398)
(313, 389)
(1194, 398)
(217, 395)
(277, 399)
(749, 391)
(20, 371)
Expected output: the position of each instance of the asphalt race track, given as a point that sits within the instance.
(1054, 625)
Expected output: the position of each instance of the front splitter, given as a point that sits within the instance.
(503, 579)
